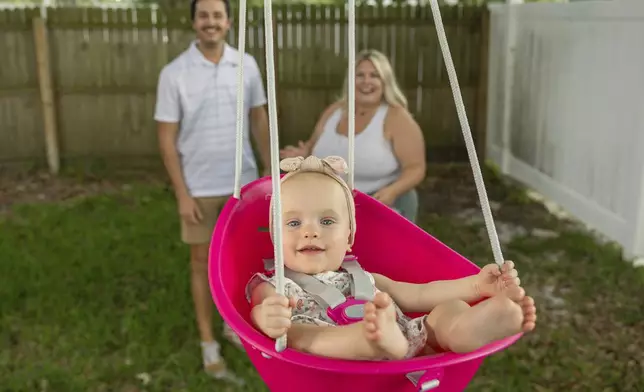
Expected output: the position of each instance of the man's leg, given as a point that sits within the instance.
(198, 237)
(201, 290)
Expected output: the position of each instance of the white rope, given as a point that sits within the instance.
(241, 44)
(280, 343)
(467, 134)
(351, 88)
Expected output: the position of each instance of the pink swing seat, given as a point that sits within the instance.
(385, 243)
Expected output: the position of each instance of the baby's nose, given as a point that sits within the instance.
(311, 234)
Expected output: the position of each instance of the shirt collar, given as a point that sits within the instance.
(229, 56)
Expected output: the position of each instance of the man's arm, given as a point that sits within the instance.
(258, 114)
(259, 129)
(167, 114)
(167, 134)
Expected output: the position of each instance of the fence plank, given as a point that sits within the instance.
(21, 136)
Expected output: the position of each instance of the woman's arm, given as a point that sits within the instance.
(409, 147)
(319, 126)
(423, 297)
(304, 148)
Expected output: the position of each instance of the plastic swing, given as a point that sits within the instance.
(385, 243)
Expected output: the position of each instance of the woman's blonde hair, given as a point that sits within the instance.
(392, 93)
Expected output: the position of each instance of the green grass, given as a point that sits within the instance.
(95, 292)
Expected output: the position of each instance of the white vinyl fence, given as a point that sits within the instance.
(572, 126)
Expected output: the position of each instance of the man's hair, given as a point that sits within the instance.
(193, 8)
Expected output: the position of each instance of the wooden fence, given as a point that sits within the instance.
(104, 64)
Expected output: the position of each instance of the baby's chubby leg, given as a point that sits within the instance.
(273, 315)
(377, 336)
(457, 327)
(341, 342)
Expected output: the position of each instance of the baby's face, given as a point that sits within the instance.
(315, 223)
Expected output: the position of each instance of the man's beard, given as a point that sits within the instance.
(219, 31)
(210, 44)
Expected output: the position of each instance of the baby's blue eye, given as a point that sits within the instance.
(292, 223)
(327, 222)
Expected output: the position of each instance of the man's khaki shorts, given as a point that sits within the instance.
(201, 233)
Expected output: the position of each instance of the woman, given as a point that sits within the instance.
(389, 145)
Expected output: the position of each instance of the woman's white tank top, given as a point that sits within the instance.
(376, 165)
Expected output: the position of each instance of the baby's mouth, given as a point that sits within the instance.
(310, 249)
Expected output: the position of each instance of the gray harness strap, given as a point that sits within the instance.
(327, 295)
(361, 287)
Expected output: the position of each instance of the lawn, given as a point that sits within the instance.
(95, 294)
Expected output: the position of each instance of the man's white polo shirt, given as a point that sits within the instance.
(202, 97)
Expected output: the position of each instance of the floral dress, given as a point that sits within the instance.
(308, 311)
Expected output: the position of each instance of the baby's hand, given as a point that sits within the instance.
(493, 280)
(275, 315)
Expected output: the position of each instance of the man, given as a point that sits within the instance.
(196, 117)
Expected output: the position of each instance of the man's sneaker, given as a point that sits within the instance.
(215, 365)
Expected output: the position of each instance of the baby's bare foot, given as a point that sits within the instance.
(381, 328)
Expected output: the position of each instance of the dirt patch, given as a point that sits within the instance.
(450, 191)
(43, 187)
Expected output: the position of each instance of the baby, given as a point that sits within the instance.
(318, 230)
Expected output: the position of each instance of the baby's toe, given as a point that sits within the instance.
(528, 326)
(528, 310)
(382, 300)
(370, 326)
(527, 301)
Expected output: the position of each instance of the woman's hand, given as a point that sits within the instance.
(386, 196)
(293, 152)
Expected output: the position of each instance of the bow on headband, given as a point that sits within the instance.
(335, 163)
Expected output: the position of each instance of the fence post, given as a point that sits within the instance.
(637, 249)
(46, 94)
(508, 76)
